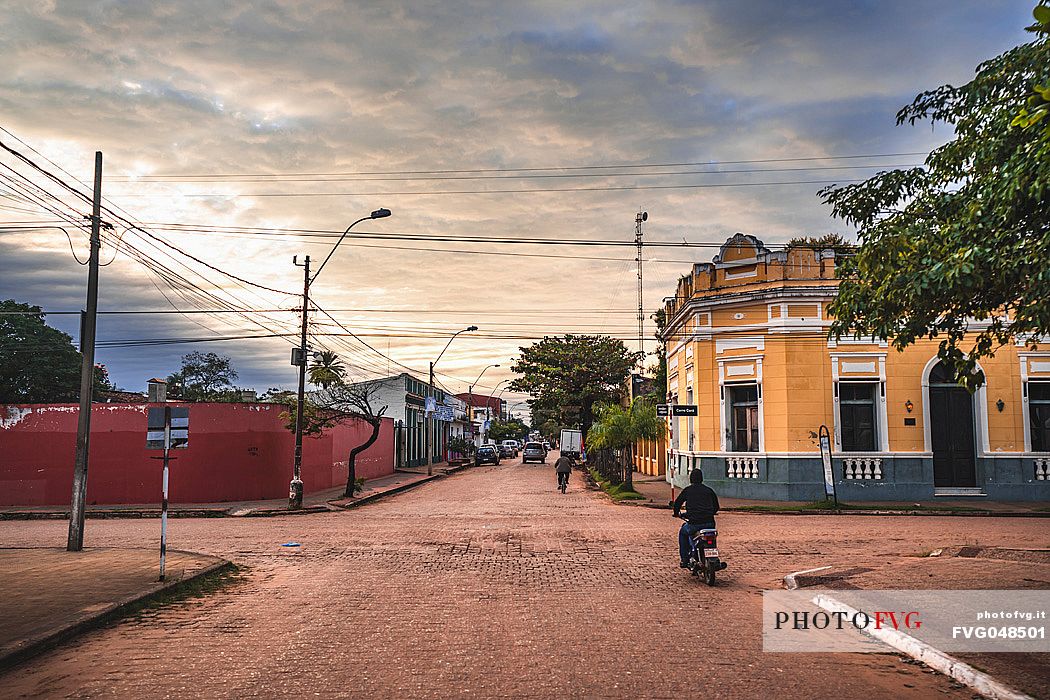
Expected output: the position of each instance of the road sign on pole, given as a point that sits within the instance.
(663, 409)
(156, 424)
(684, 409)
(166, 427)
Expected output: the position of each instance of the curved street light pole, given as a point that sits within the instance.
(428, 434)
(470, 402)
(295, 488)
(493, 395)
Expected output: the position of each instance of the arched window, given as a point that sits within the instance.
(942, 374)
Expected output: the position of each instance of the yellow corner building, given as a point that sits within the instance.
(747, 343)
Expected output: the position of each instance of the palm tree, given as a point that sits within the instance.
(622, 428)
(327, 369)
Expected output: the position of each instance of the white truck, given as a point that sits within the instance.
(571, 443)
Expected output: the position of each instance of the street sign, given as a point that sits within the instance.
(430, 404)
(445, 413)
(663, 409)
(684, 409)
(180, 427)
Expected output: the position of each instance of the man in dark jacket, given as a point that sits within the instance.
(563, 466)
(701, 504)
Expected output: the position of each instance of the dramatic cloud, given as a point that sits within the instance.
(197, 89)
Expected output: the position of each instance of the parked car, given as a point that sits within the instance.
(486, 454)
(507, 451)
(513, 445)
(534, 452)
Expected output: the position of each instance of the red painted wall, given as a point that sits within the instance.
(237, 452)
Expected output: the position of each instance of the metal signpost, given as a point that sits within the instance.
(825, 456)
(166, 428)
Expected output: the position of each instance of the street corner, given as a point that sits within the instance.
(52, 595)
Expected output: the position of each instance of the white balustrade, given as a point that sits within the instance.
(1042, 468)
(742, 467)
(862, 467)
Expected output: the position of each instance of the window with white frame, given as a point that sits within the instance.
(858, 425)
(743, 418)
(1039, 415)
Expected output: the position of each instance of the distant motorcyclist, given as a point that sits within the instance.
(701, 504)
(563, 466)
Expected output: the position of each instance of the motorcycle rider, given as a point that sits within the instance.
(563, 466)
(701, 504)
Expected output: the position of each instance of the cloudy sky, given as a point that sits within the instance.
(309, 115)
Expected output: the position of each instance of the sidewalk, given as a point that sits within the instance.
(318, 501)
(51, 594)
(658, 492)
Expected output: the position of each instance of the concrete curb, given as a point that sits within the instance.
(938, 513)
(934, 658)
(24, 649)
(364, 500)
(114, 514)
(234, 512)
(791, 582)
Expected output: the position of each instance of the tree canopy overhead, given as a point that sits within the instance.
(967, 236)
(568, 376)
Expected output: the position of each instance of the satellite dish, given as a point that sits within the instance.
(645, 216)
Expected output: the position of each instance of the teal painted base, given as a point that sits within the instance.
(903, 479)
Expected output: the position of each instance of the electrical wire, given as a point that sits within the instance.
(610, 188)
(551, 168)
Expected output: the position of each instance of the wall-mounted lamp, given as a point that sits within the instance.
(1000, 404)
(909, 406)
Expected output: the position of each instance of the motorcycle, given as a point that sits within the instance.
(704, 559)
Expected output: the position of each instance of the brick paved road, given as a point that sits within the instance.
(488, 583)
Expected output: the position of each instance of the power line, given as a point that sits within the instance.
(450, 238)
(531, 176)
(610, 188)
(552, 168)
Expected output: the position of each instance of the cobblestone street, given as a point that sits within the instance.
(490, 583)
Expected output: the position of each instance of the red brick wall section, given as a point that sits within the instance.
(237, 452)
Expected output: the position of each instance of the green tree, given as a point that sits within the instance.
(619, 428)
(500, 430)
(967, 236)
(829, 241)
(38, 363)
(342, 402)
(102, 380)
(572, 374)
(203, 377)
(327, 369)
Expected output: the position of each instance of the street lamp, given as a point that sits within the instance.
(427, 432)
(295, 488)
(500, 399)
(493, 395)
(470, 393)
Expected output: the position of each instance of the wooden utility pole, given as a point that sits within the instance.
(295, 488)
(75, 541)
